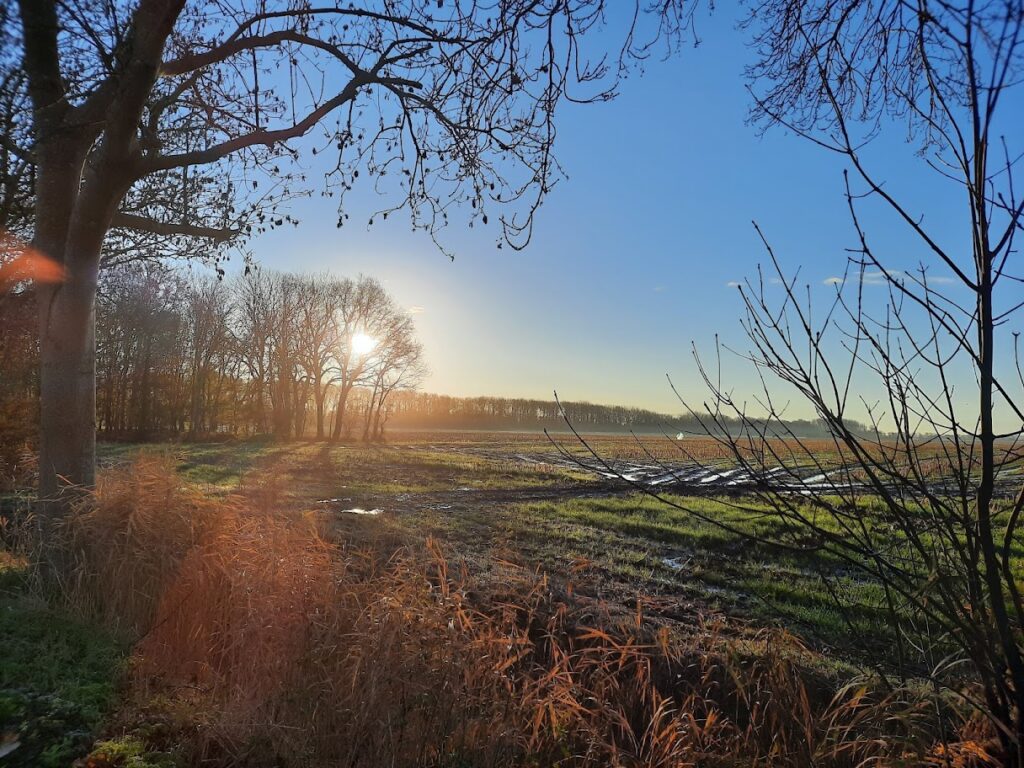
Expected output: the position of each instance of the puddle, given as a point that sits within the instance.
(353, 510)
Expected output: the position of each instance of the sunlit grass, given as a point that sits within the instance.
(639, 542)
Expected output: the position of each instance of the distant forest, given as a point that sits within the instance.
(418, 410)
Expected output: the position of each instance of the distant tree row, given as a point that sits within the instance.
(263, 353)
(271, 353)
(418, 410)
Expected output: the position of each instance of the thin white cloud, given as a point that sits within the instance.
(733, 284)
(885, 276)
(873, 276)
(880, 276)
(416, 309)
(659, 289)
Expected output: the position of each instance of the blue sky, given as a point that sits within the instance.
(633, 253)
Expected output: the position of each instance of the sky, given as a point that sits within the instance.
(634, 254)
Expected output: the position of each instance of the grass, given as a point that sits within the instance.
(630, 542)
(319, 470)
(262, 642)
(580, 628)
(634, 543)
(58, 675)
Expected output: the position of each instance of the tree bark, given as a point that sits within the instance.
(339, 412)
(67, 443)
(319, 394)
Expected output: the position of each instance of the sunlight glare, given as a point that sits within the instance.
(363, 344)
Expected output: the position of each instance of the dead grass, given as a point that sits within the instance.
(283, 649)
(19, 464)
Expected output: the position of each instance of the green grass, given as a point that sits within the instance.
(58, 676)
(771, 583)
(628, 540)
(222, 465)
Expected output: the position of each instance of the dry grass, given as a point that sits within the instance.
(281, 649)
(19, 465)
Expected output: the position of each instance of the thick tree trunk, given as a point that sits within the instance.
(339, 412)
(67, 441)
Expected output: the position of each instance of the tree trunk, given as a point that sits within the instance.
(319, 395)
(196, 417)
(144, 393)
(67, 440)
(339, 412)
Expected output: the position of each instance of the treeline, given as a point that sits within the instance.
(179, 355)
(417, 410)
(264, 353)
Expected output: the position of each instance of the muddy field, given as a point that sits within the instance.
(701, 467)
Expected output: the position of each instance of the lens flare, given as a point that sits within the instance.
(362, 344)
(20, 264)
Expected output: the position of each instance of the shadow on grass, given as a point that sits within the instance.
(58, 676)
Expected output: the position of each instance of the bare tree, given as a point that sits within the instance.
(207, 310)
(15, 166)
(140, 347)
(363, 313)
(317, 337)
(397, 364)
(259, 354)
(160, 120)
(284, 364)
(925, 502)
(254, 328)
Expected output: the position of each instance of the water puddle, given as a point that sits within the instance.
(352, 510)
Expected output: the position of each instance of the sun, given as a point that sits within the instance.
(363, 344)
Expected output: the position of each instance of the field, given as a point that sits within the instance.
(517, 497)
(262, 603)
